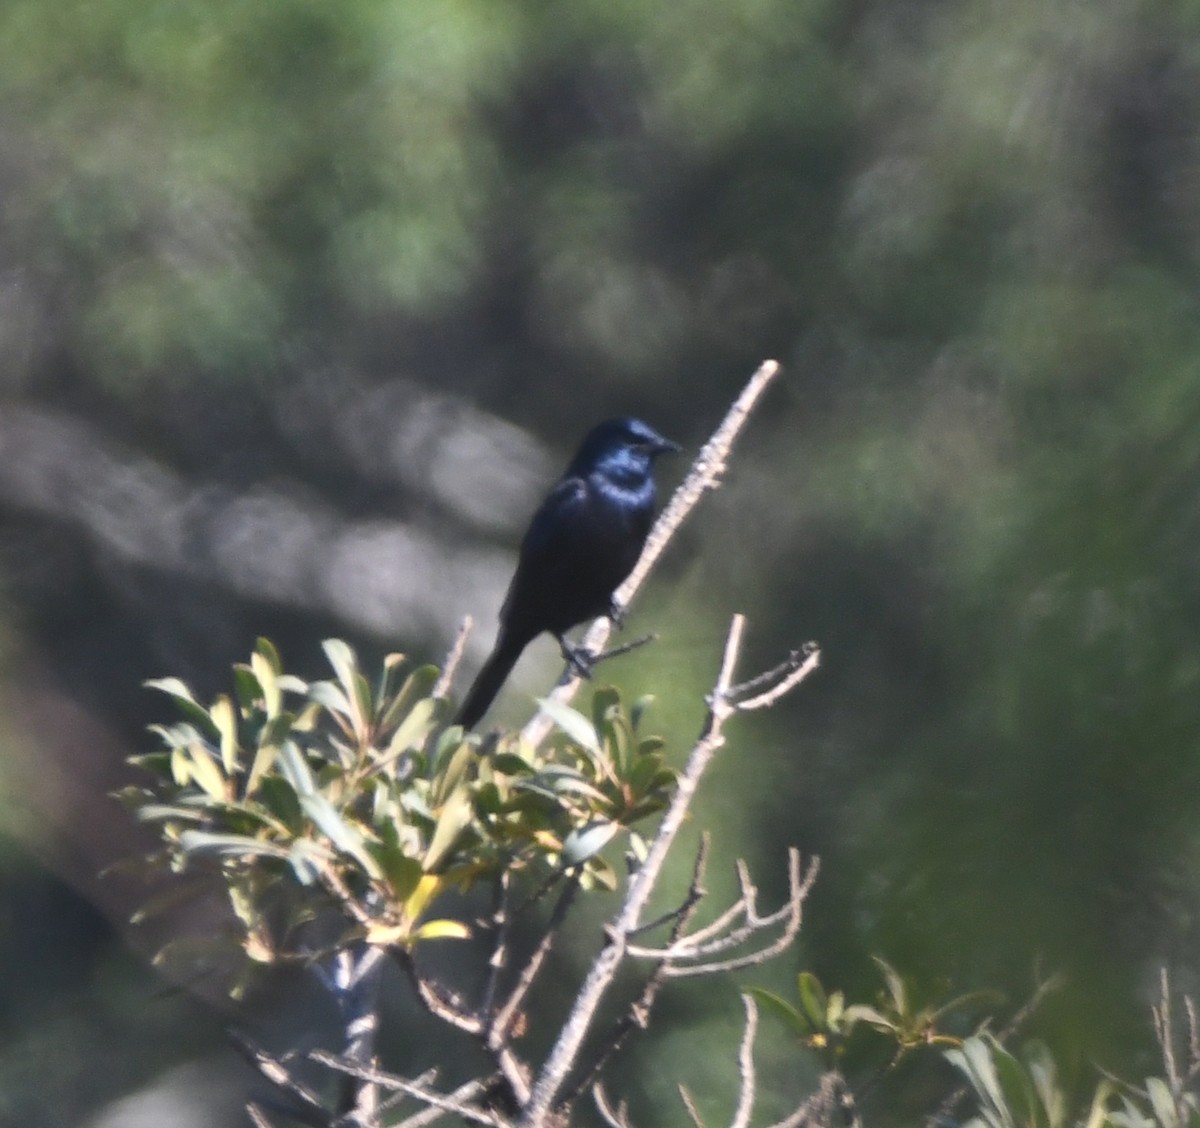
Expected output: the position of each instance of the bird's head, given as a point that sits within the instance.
(626, 442)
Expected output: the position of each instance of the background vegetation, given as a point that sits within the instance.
(303, 305)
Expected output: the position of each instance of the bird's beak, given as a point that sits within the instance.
(665, 446)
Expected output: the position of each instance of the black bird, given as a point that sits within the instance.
(581, 544)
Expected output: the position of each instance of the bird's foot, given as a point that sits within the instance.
(616, 614)
(579, 658)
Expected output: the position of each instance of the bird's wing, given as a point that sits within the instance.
(553, 531)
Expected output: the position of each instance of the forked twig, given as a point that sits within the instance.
(549, 1084)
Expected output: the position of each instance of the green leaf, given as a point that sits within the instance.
(401, 872)
(895, 985)
(265, 649)
(573, 723)
(280, 798)
(452, 820)
(638, 710)
(781, 1009)
(229, 845)
(270, 739)
(354, 685)
(246, 689)
(813, 999)
(329, 697)
(455, 771)
(1044, 1074)
(413, 731)
(510, 764)
(185, 703)
(346, 838)
(860, 1012)
(416, 688)
(294, 768)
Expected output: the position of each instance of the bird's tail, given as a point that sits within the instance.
(489, 680)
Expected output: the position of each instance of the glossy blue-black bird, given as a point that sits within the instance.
(581, 544)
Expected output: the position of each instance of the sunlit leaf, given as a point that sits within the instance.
(268, 679)
(185, 703)
(225, 719)
(413, 730)
(295, 769)
(1162, 1102)
(422, 896)
(573, 723)
(354, 685)
(442, 930)
(586, 841)
(344, 836)
(415, 689)
(330, 697)
(231, 845)
(207, 774)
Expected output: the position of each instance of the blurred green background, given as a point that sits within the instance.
(303, 305)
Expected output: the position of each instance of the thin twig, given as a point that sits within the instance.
(790, 915)
(462, 1095)
(794, 677)
(637, 1016)
(440, 1004)
(604, 968)
(502, 924)
(614, 1117)
(502, 1022)
(392, 1081)
(441, 688)
(745, 1105)
(704, 476)
(690, 1105)
(276, 1070)
(833, 1092)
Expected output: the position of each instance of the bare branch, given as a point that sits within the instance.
(745, 1105)
(832, 1094)
(439, 1003)
(614, 1118)
(678, 956)
(502, 1021)
(638, 1014)
(462, 1095)
(257, 1116)
(441, 688)
(690, 1105)
(391, 1081)
(603, 971)
(277, 1071)
(792, 672)
(704, 476)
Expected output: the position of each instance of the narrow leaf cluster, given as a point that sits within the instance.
(352, 794)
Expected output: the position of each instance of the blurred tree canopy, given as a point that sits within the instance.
(302, 305)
